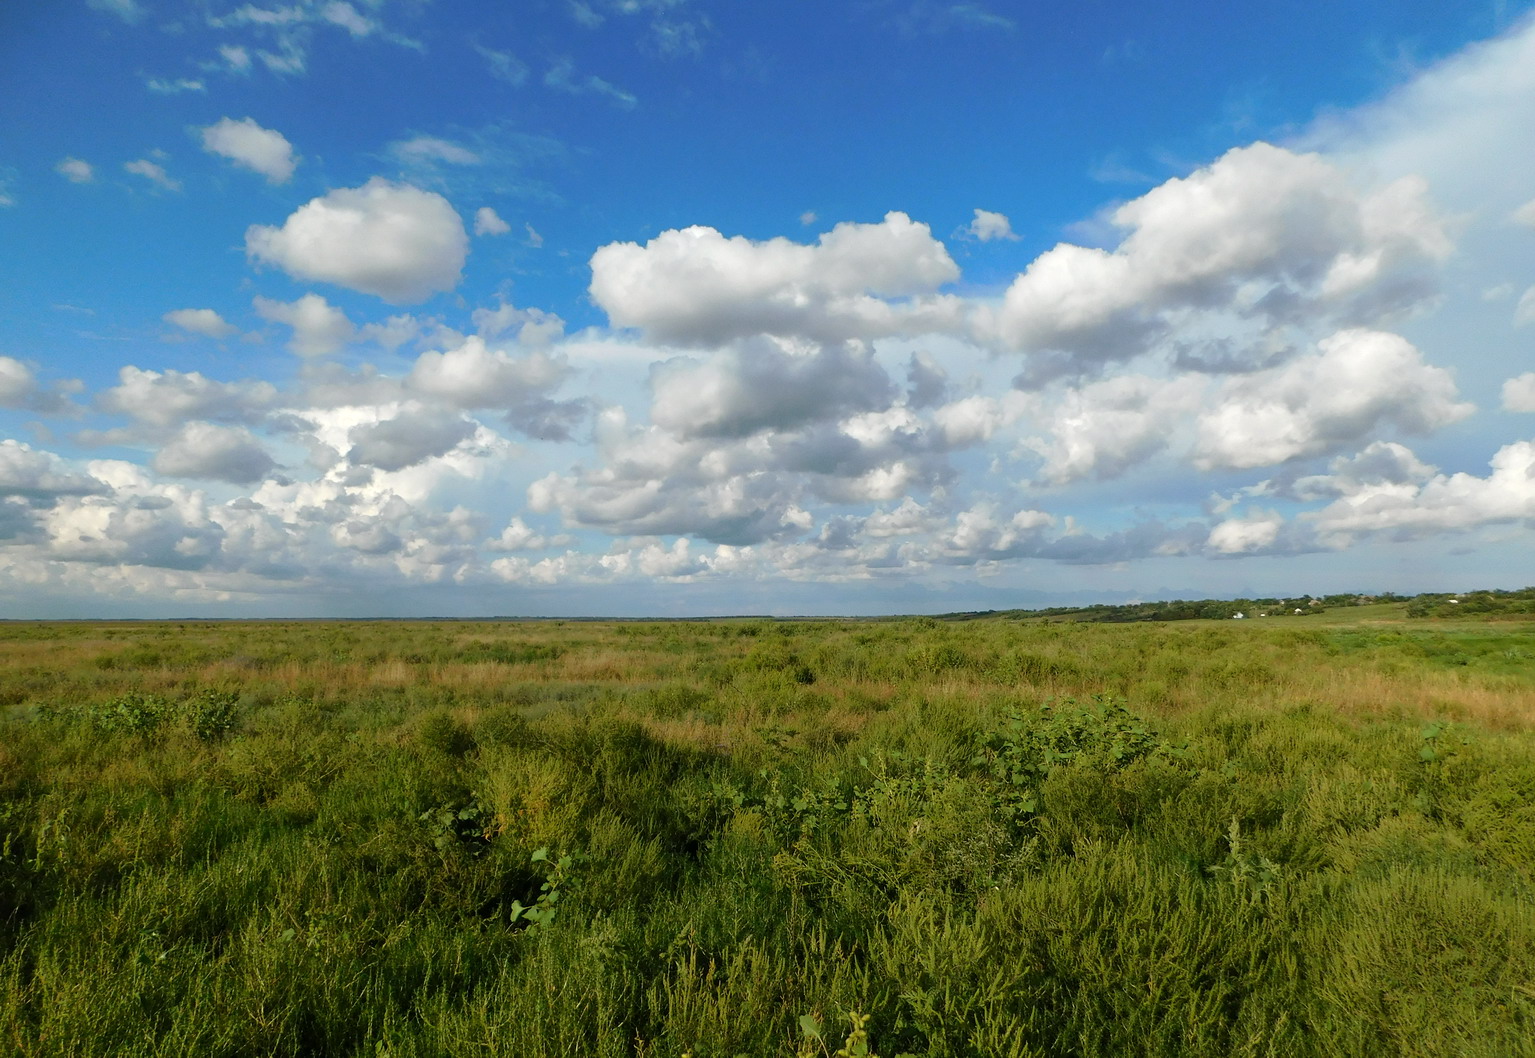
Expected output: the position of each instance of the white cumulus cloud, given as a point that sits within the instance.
(170, 398)
(319, 328)
(1358, 381)
(247, 144)
(476, 376)
(1519, 393)
(395, 241)
(488, 222)
(1263, 234)
(219, 453)
(201, 321)
(412, 436)
(1236, 536)
(988, 226)
(695, 286)
(75, 171)
(1442, 503)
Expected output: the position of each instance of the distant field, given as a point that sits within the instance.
(1008, 835)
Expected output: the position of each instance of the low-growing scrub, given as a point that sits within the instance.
(1002, 837)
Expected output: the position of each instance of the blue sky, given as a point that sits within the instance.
(678, 307)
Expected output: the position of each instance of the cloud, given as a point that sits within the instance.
(163, 87)
(1236, 536)
(19, 388)
(201, 321)
(1379, 463)
(429, 149)
(1452, 124)
(237, 59)
(153, 172)
(1524, 311)
(340, 13)
(739, 481)
(135, 523)
(924, 17)
(697, 287)
(562, 77)
(35, 475)
(1525, 214)
(127, 10)
(1102, 429)
(504, 66)
(170, 398)
(75, 171)
(1519, 393)
(477, 376)
(247, 144)
(393, 332)
(218, 453)
(766, 384)
(1359, 381)
(17, 383)
(289, 60)
(980, 534)
(412, 436)
(487, 222)
(1263, 234)
(988, 226)
(395, 241)
(1443, 503)
(535, 328)
(669, 34)
(319, 328)
(517, 536)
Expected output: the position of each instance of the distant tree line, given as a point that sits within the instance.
(1485, 601)
(1427, 604)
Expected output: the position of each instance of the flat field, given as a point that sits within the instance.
(1292, 837)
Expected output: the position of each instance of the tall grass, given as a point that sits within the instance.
(324, 839)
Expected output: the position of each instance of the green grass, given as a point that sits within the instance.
(1308, 837)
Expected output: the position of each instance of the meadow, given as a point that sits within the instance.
(1006, 836)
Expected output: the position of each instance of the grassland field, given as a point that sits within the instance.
(1006, 836)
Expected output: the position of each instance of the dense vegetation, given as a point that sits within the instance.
(1466, 604)
(992, 837)
(1484, 602)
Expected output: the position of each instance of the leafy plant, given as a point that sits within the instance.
(1024, 750)
(466, 827)
(856, 1045)
(1250, 873)
(131, 714)
(540, 914)
(211, 714)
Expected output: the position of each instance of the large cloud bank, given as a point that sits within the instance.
(1248, 364)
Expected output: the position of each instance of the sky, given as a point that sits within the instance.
(694, 307)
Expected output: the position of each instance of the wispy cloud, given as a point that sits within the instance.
(504, 66)
(562, 77)
(167, 87)
(154, 172)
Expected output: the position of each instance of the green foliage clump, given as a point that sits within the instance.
(1026, 749)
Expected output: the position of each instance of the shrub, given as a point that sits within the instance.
(211, 714)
